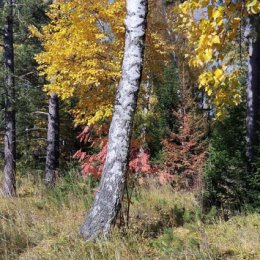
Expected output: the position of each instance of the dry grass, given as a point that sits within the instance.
(164, 225)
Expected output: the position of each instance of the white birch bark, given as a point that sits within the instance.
(108, 199)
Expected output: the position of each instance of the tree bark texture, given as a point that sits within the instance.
(107, 202)
(52, 156)
(9, 183)
(253, 90)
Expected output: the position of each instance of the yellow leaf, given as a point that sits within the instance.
(216, 14)
(216, 39)
(218, 74)
(251, 3)
(208, 55)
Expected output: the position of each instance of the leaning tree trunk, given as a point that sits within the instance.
(9, 184)
(108, 198)
(253, 90)
(52, 156)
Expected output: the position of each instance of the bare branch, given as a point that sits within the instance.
(40, 113)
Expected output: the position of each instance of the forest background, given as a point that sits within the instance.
(192, 161)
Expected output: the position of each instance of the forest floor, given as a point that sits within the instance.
(44, 224)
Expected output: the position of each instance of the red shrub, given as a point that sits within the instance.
(92, 162)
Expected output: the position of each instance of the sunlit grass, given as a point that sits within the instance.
(41, 224)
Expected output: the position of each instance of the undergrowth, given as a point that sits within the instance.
(44, 224)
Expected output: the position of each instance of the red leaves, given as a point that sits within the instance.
(92, 163)
(89, 170)
(165, 177)
(184, 152)
(84, 135)
(140, 163)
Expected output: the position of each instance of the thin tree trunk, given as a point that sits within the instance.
(107, 202)
(147, 95)
(253, 90)
(146, 108)
(52, 157)
(9, 183)
(53, 136)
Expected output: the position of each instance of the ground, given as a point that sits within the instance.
(164, 224)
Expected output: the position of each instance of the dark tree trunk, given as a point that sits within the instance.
(52, 157)
(9, 184)
(107, 202)
(253, 90)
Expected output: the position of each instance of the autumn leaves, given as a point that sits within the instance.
(213, 30)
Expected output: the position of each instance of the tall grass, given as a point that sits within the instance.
(44, 224)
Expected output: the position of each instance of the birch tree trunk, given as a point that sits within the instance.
(253, 90)
(107, 202)
(9, 183)
(52, 156)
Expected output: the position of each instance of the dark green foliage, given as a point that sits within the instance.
(253, 186)
(28, 84)
(31, 101)
(167, 93)
(159, 119)
(153, 124)
(30, 96)
(228, 184)
(225, 168)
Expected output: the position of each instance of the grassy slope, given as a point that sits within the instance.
(164, 225)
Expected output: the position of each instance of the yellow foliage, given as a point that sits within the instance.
(83, 49)
(210, 28)
(253, 6)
